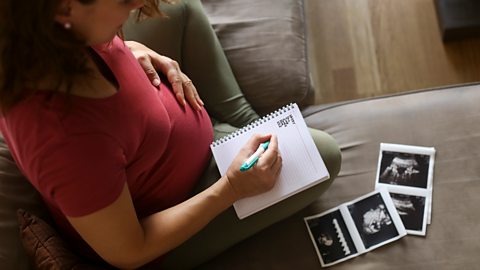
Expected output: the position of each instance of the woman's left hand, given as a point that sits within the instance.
(151, 61)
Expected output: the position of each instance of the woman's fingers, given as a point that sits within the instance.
(182, 86)
(270, 156)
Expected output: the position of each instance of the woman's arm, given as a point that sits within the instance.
(117, 235)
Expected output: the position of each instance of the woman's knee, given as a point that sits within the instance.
(329, 150)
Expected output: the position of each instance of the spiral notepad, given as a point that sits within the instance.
(302, 165)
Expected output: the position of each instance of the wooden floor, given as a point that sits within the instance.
(363, 48)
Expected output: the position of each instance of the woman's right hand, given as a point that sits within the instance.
(263, 175)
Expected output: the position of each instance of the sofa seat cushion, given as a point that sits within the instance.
(447, 119)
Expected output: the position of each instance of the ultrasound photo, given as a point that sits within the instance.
(404, 169)
(373, 220)
(331, 237)
(355, 227)
(411, 210)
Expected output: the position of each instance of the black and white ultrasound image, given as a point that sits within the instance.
(411, 210)
(404, 169)
(331, 237)
(373, 221)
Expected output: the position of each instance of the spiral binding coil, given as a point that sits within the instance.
(254, 124)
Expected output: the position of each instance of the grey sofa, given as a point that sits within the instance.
(264, 42)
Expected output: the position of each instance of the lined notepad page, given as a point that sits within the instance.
(302, 165)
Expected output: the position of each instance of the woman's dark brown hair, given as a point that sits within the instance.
(33, 47)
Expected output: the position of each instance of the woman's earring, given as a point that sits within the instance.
(67, 25)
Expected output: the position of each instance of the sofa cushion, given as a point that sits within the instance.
(447, 119)
(265, 43)
(15, 192)
(45, 247)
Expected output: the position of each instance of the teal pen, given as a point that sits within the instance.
(254, 158)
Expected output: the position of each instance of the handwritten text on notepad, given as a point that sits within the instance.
(286, 121)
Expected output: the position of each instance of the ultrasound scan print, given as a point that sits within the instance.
(411, 210)
(373, 221)
(331, 237)
(404, 169)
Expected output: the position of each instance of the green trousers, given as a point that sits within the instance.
(187, 37)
